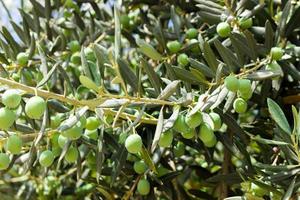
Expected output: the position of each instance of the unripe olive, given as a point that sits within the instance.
(206, 133)
(92, 134)
(180, 125)
(140, 167)
(183, 59)
(22, 58)
(92, 123)
(71, 155)
(212, 142)
(11, 98)
(143, 187)
(240, 105)
(14, 144)
(179, 149)
(7, 118)
(245, 23)
(4, 161)
(245, 95)
(73, 133)
(276, 53)
(74, 46)
(216, 119)
(76, 58)
(166, 139)
(173, 46)
(223, 29)
(62, 140)
(134, 143)
(245, 86)
(46, 158)
(188, 134)
(231, 83)
(191, 33)
(193, 120)
(35, 107)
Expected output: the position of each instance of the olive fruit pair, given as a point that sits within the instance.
(243, 86)
(181, 126)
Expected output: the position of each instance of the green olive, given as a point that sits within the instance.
(62, 140)
(216, 119)
(231, 83)
(223, 29)
(73, 133)
(11, 98)
(245, 23)
(140, 167)
(192, 33)
(92, 123)
(4, 161)
(143, 187)
(240, 105)
(276, 53)
(22, 58)
(74, 46)
(46, 158)
(183, 59)
(71, 155)
(134, 143)
(7, 118)
(193, 120)
(188, 134)
(14, 144)
(166, 139)
(180, 125)
(206, 133)
(35, 107)
(173, 46)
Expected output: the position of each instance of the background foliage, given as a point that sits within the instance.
(127, 76)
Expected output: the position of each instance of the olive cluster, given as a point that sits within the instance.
(186, 125)
(34, 109)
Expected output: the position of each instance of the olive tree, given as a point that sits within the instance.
(148, 99)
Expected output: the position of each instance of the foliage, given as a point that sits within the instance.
(207, 85)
